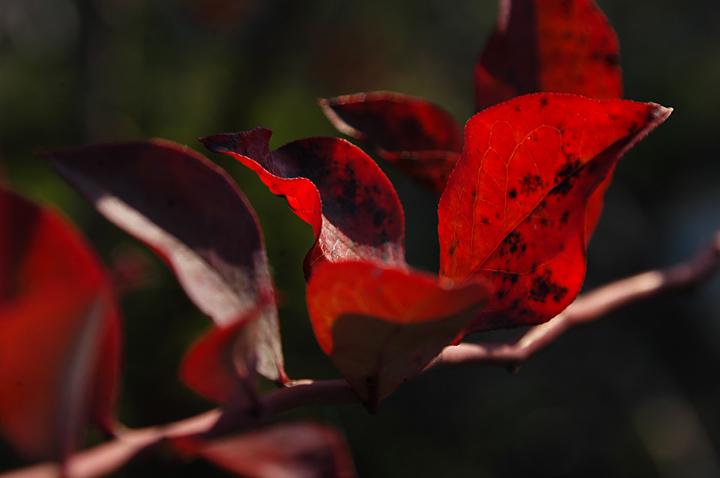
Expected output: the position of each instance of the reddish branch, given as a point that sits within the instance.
(110, 456)
(588, 308)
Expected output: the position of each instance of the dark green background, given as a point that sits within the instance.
(637, 394)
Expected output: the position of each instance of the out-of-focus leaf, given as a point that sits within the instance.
(383, 326)
(298, 450)
(59, 333)
(333, 186)
(191, 214)
(214, 363)
(559, 46)
(416, 135)
(514, 209)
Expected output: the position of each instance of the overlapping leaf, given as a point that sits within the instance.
(560, 46)
(333, 186)
(218, 359)
(382, 326)
(419, 137)
(557, 46)
(59, 332)
(307, 450)
(191, 213)
(514, 209)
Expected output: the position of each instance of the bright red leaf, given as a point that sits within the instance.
(59, 332)
(555, 46)
(514, 209)
(419, 137)
(383, 326)
(296, 450)
(191, 213)
(333, 186)
(561, 46)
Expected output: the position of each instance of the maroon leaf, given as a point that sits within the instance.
(59, 333)
(419, 137)
(514, 209)
(191, 213)
(382, 326)
(299, 450)
(560, 46)
(333, 186)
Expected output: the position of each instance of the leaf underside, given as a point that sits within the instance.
(383, 326)
(189, 212)
(302, 449)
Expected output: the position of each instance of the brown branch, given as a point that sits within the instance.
(108, 457)
(587, 308)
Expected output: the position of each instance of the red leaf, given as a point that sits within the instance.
(561, 46)
(419, 137)
(59, 332)
(299, 450)
(382, 326)
(514, 209)
(191, 213)
(217, 360)
(333, 186)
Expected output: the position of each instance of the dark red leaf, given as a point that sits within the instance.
(333, 186)
(59, 332)
(560, 46)
(382, 326)
(191, 213)
(299, 450)
(419, 137)
(514, 209)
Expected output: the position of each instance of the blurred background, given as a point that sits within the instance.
(636, 394)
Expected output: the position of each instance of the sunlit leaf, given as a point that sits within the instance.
(333, 186)
(514, 209)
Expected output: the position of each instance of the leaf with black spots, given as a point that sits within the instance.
(514, 209)
(333, 186)
(554, 46)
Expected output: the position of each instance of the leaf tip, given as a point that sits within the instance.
(238, 142)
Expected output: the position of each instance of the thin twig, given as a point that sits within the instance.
(587, 308)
